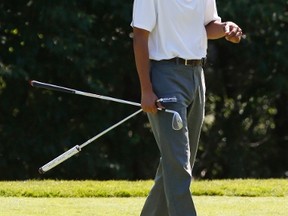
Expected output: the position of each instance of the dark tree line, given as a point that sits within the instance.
(87, 45)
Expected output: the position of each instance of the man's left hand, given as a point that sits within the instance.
(233, 32)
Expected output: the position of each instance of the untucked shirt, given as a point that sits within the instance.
(177, 27)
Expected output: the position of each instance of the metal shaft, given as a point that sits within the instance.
(74, 150)
(37, 84)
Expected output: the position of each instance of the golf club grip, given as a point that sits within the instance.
(60, 159)
(51, 87)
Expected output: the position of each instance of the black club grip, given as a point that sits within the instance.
(51, 87)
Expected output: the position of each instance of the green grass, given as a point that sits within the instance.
(206, 206)
(52, 188)
(249, 197)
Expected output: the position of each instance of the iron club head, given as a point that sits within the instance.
(177, 123)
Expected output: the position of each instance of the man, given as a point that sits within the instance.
(170, 43)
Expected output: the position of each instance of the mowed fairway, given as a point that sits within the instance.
(249, 197)
(206, 206)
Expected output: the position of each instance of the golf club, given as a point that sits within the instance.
(177, 122)
(69, 153)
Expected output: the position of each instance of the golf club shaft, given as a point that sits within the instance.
(74, 91)
(38, 84)
(110, 128)
(71, 152)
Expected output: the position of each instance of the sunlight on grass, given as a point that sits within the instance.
(249, 197)
(206, 206)
(241, 206)
(70, 206)
(53, 188)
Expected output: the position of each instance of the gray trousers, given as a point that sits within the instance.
(170, 195)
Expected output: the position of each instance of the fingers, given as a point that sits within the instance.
(153, 108)
(233, 32)
(148, 102)
(159, 105)
(150, 107)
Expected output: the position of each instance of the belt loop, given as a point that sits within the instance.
(203, 61)
(177, 61)
(186, 61)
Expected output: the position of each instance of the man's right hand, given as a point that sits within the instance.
(149, 102)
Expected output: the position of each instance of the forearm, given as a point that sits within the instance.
(140, 44)
(141, 52)
(231, 31)
(215, 30)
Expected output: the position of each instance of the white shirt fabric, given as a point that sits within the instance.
(177, 27)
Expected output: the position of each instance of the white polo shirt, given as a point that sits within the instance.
(177, 27)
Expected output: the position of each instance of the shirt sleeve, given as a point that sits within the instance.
(144, 14)
(211, 13)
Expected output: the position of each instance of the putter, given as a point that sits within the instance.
(76, 149)
(177, 122)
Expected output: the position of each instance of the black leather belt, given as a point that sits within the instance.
(188, 62)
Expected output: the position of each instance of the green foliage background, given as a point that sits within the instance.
(87, 45)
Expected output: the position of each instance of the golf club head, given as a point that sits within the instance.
(177, 123)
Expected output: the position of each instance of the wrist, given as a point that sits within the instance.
(225, 27)
(146, 88)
